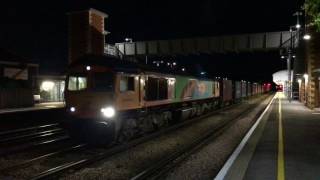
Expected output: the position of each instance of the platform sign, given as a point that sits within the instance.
(16, 73)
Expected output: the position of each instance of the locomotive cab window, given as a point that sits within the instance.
(126, 83)
(77, 83)
(103, 81)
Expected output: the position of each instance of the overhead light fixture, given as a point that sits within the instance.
(282, 57)
(47, 85)
(306, 37)
(88, 68)
(128, 40)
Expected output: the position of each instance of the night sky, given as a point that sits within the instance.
(38, 29)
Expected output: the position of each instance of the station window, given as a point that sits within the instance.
(126, 83)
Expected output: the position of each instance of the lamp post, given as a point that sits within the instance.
(306, 77)
(289, 60)
(299, 82)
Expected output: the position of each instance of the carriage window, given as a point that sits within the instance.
(126, 83)
(77, 83)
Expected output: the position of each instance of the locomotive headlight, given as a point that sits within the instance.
(108, 112)
(72, 109)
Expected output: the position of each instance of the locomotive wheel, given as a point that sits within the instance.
(128, 130)
(160, 120)
(147, 124)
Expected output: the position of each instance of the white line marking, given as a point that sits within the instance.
(315, 113)
(223, 172)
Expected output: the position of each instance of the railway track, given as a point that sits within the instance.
(74, 165)
(159, 169)
(42, 157)
(17, 140)
(30, 133)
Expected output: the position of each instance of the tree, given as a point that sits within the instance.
(312, 9)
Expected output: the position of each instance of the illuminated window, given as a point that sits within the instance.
(82, 83)
(77, 83)
(126, 83)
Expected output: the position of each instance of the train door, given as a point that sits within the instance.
(128, 90)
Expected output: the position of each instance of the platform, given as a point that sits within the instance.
(36, 107)
(283, 144)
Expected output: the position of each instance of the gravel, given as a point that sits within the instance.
(206, 163)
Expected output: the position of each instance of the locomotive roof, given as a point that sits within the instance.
(114, 63)
(120, 65)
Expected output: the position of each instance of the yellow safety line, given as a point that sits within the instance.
(281, 173)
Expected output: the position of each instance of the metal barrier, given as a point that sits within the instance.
(13, 98)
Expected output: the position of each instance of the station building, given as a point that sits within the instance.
(17, 80)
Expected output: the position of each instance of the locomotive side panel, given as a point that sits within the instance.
(159, 90)
(193, 89)
(127, 91)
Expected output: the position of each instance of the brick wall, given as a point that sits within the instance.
(86, 33)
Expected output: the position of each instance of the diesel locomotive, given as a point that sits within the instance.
(115, 100)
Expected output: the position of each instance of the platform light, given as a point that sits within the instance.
(172, 81)
(203, 73)
(88, 68)
(108, 112)
(299, 81)
(183, 69)
(306, 37)
(174, 63)
(47, 85)
(306, 76)
(282, 57)
(294, 56)
(72, 109)
(298, 26)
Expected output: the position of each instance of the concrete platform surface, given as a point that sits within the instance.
(284, 145)
(36, 107)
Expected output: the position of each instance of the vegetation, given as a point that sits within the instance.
(312, 9)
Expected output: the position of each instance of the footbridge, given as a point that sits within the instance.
(268, 41)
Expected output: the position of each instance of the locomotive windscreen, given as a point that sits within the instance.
(77, 82)
(103, 81)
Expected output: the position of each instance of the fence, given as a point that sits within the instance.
(15, 97)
